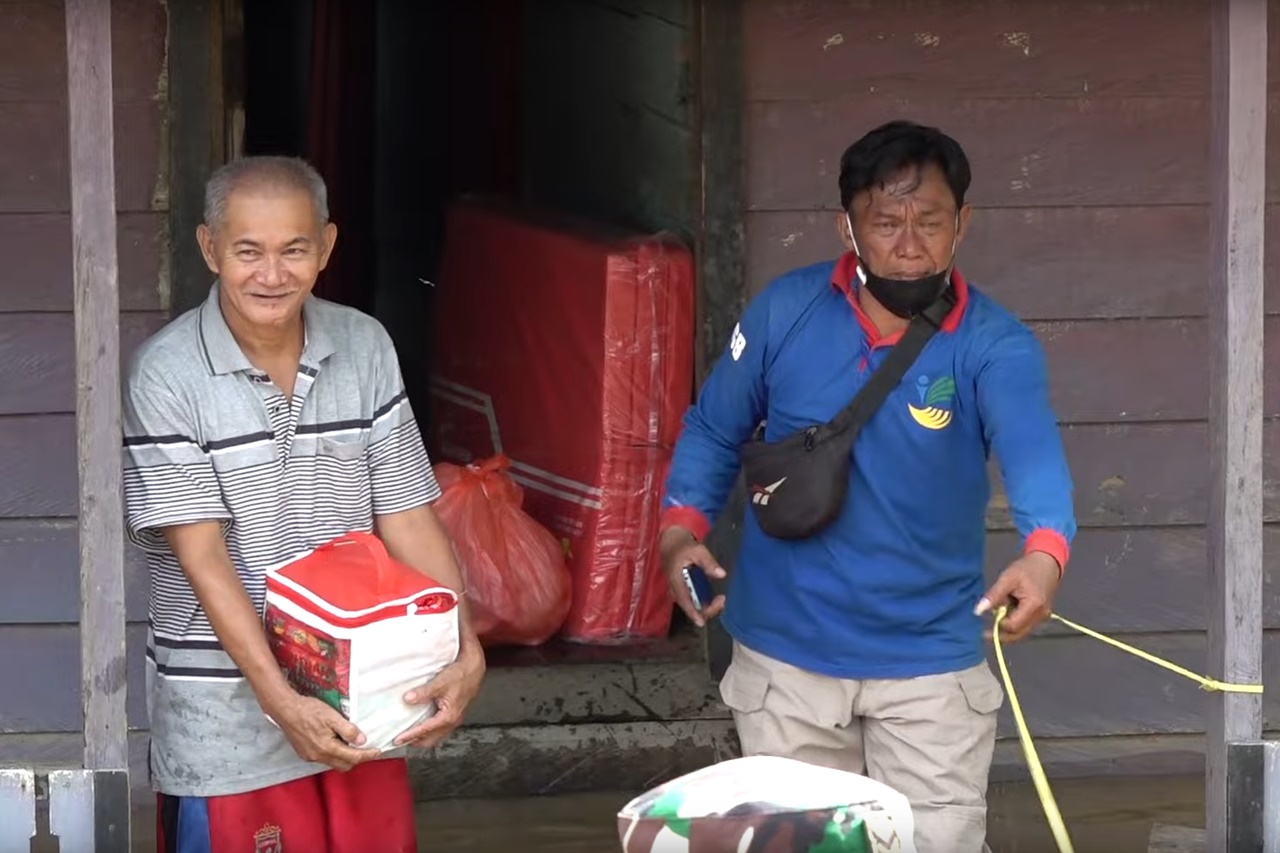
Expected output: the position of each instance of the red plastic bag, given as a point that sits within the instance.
(518, 584)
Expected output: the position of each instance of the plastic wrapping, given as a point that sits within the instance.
(356, 629)
(569, 347)
(768, 804)
(518, 586)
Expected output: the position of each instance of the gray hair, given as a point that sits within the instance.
(288, 173)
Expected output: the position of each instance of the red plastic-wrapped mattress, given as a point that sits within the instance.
(568, 346)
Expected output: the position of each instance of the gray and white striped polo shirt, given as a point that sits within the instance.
(208, 436)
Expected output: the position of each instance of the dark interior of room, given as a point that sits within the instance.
(571, 105)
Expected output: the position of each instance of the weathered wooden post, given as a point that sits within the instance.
(1234, 757)
(1271, 799)
(89, 808)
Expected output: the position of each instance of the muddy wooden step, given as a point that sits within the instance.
(566, 720)
(684, 643)
(520, 761)
(1177, 839)
(623, 690)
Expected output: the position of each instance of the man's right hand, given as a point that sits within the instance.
(320, 734)
(678, 548)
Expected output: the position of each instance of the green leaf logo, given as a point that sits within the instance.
(941, 391)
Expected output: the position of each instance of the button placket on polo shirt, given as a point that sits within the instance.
(282, 412)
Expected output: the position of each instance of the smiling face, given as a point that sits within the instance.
(267, 251)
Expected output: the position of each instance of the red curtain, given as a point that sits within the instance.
(481, 102)
(340, 142)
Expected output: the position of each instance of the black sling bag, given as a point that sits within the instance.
(798, 485)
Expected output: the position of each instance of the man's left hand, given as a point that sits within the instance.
(1027, 587)
(452, 690)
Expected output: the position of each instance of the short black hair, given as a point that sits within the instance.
(889, 149)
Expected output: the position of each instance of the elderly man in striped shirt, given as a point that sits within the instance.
(263, 423)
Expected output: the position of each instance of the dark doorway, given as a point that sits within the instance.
(584, 107)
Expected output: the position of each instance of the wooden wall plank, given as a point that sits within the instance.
(1077, 686)
(37, 275)
(33, 47)
(1098, 374)
(1125, 474)
(40, 664)
(37, 358)
(978, 47)
(1034, 152)
(1143, 475)
(40, 564)
(34, 165)
(1145, 579)
(1054, 263)
(38, 467)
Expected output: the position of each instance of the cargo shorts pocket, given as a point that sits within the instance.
(982, 690)
(744, 686)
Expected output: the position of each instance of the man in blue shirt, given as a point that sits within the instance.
(861, 647)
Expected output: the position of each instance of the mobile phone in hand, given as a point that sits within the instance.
(699, 586)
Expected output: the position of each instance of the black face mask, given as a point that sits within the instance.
(905, 297)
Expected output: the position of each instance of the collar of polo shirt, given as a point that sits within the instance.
(222, 353)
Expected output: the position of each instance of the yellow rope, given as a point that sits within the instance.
(1047, 801)
(1210, 684)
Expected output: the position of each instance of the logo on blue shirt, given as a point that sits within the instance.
(936, 397)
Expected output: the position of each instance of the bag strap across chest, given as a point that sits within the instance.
(904, 353)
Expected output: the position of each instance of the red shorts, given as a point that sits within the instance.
(368, 810)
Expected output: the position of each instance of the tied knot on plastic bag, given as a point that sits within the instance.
(518, 582)
(492, 477)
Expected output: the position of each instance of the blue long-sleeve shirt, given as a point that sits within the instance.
(888, 589)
